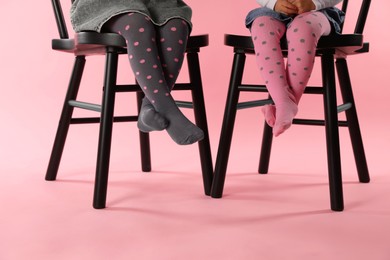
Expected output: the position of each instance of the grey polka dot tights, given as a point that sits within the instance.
(156, 55)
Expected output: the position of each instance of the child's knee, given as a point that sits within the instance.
(176, 26)
(266, 25)
(265, 21)
(311, 24)
(130, 21)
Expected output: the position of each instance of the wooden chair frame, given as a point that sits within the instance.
(112, 45)
(330, 49)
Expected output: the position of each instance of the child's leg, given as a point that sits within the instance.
(266, 34)
(171, 42)
(173, 38)
(140, 35)
(148, 119)
(303, 35)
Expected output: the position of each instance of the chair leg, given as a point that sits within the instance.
(265, 149)
(65, 119)
(332, 132)
(201, 120)
(352, 119)
(144, 141)
(227, 125)
(105, 133)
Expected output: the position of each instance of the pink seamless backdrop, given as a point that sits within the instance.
(34, 78)
(33, 82)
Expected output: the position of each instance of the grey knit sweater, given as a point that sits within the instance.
(90, 15)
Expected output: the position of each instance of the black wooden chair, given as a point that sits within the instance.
(112, 45)
(330, 49)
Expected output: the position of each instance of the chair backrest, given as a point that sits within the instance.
(362, 17)
(59, 16)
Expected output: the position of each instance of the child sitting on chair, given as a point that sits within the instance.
(156, 34)
(303, 22)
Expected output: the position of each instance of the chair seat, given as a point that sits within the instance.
(89, 43)
(94, 43)
(345, 44)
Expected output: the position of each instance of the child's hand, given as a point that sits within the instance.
(286, 7)
(303, 6)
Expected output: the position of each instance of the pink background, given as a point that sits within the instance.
(284, 215)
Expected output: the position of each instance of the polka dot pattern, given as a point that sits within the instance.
(155, 58)
(149, 47)
(302, 37)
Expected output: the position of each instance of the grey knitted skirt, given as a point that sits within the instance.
(90, 15)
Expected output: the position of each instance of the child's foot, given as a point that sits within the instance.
(149, 119)
(182, 130)
(285, 114)
(269, 114)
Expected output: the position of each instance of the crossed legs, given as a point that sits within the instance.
(156, 54)
(286, 84)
